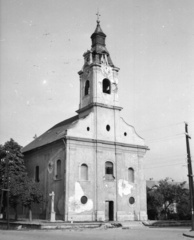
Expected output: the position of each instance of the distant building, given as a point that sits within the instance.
(92, 161)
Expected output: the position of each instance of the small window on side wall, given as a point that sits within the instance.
(58, 170)
(37, 174)
(109, 170)
(106, 86)
(131, 177)
(87, 87)
(84, 172)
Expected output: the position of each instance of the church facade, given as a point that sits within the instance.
(93, 162)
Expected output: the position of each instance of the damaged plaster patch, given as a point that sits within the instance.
(75, 204)
(124, 188)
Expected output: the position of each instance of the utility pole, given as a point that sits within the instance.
(190, 175)
(7, 167)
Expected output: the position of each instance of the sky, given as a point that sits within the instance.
(152, 42)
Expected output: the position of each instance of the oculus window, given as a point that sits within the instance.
(131, 200)
(84, 199)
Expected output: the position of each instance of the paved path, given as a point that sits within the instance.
(97, 234)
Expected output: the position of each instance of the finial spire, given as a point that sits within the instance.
(98, 16)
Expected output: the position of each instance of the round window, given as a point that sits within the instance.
(107, 127)
(131, 200)
(84, 199)
(125, 134)
(88, 129)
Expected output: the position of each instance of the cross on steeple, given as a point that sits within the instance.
(98, 16)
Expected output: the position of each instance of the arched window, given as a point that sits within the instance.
(87, 87)
(84, 172)
(109, 170)
(37, 174)
(58, 170)
(131, 176)
(106, 86)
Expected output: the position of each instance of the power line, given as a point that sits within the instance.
(166, 138)
(169, 157)
(166, 126)
(166, 162)
(162, 164)
(166, 165)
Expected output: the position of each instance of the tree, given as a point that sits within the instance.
(184, 206)
(2, 176)
(32, 194)
(165, 199)
(154, 203)
(16, 171)
(22, 189)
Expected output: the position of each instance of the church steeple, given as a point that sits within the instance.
(99, 45)
(98, 37)
(99, 76)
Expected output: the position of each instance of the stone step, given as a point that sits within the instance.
(132, 224)
(167, 223)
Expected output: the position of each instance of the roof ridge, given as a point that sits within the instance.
(64, 122)
(51, 135)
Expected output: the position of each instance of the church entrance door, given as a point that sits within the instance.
(109, 211)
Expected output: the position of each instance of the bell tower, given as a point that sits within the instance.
(99, 76)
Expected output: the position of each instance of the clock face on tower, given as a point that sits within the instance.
(106, 71)
(114, 87)
(86, 73)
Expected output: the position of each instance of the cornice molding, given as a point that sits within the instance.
(98, 105)
(119, 144)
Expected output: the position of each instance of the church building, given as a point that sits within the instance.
(93, 162)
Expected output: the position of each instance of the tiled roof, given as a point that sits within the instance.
(53, 134)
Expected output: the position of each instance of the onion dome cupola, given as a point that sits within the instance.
(99, 46)
(98, 37)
